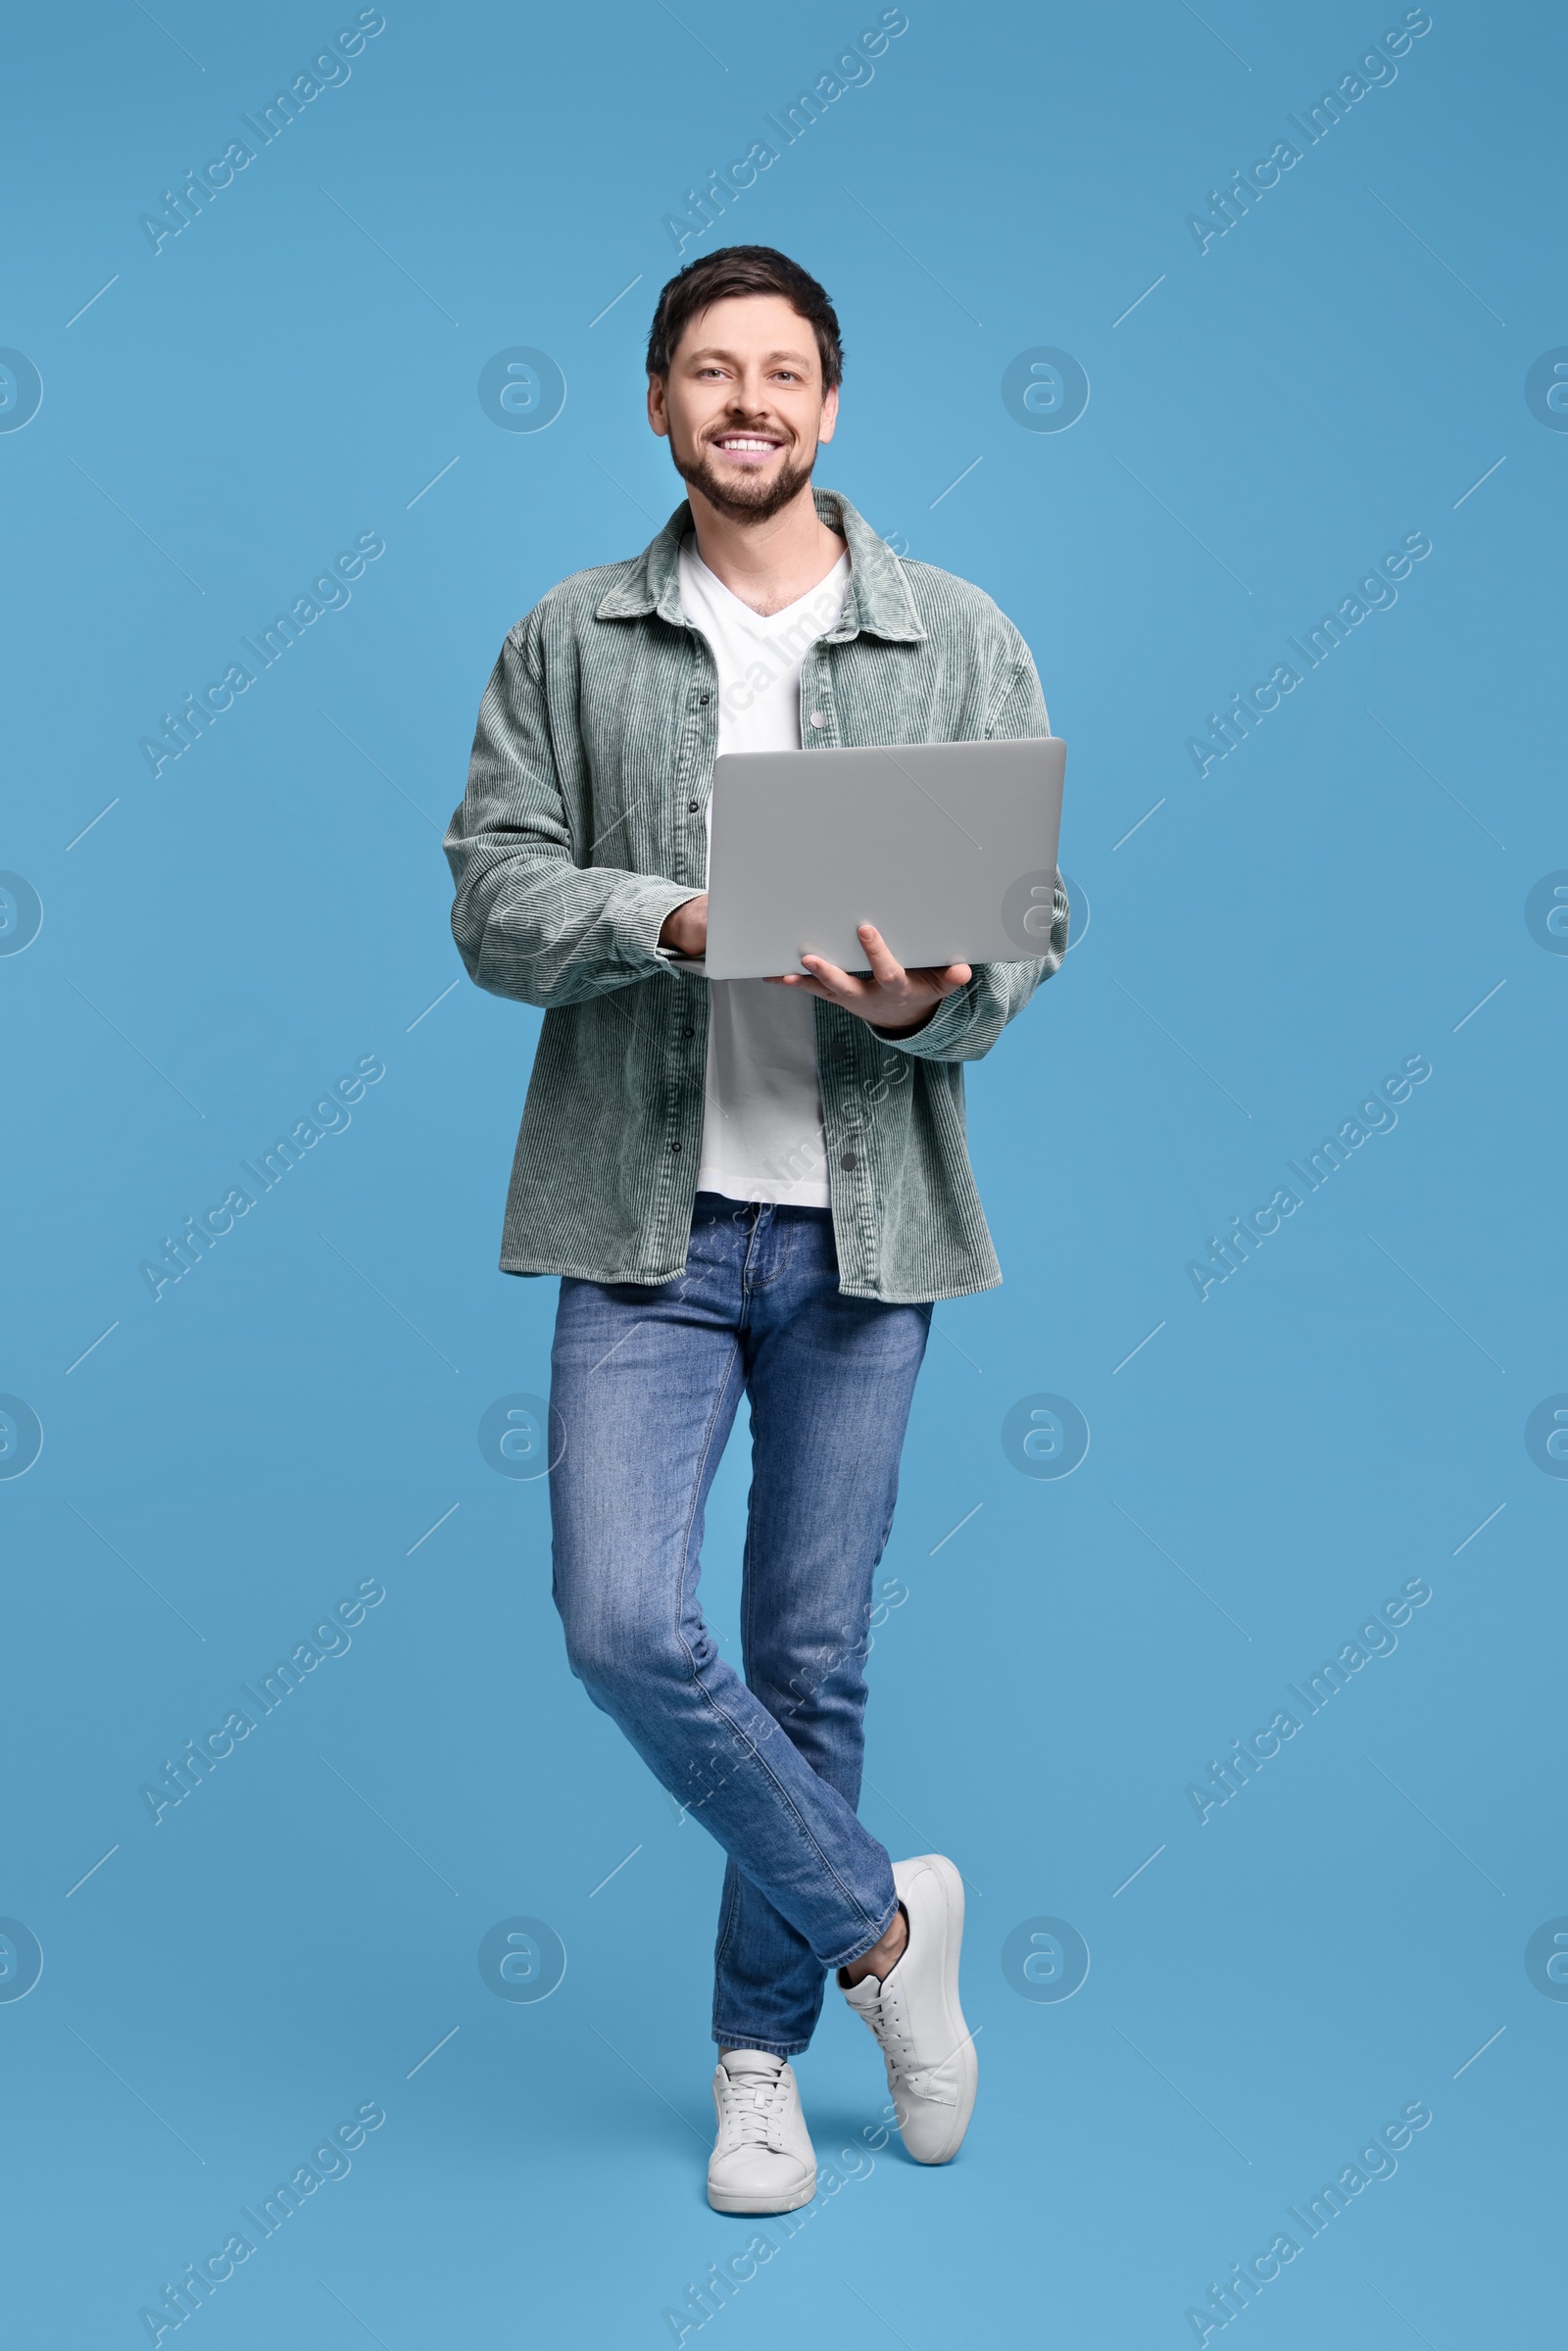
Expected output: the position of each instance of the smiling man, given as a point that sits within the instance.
(749, 1187)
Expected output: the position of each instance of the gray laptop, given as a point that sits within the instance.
(949, 847)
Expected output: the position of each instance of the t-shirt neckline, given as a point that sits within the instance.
(748, 612)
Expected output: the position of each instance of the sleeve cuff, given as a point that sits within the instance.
(946, 1024)
(638, 913)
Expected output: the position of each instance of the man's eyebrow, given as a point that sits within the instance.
(715, 351)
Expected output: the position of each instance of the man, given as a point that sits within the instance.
(754, 1186)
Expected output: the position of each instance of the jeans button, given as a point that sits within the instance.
(850, 1159)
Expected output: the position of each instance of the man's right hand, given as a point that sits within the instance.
(686, 930)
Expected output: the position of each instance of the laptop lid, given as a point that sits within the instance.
(949, 847)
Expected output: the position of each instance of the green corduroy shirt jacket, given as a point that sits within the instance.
(583, 828)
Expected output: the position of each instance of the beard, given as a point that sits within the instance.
(744, 497)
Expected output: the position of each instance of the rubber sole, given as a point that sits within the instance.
(962, 2043)
(761, 2205)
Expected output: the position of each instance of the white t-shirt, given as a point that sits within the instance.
(763, 1136)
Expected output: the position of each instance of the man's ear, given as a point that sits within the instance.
(657, 414)
(830, 413)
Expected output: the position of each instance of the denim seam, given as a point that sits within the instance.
(752, 1751)
(753, 1754)
(850, 1957)
(726, 1924)
(719, 1393)
(781, 1235)
(730, 1919)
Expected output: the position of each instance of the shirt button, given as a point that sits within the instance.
(688, 1032)
(819, 717)
(674, 1147)
(692, 807)
(703, 701)
(850, 1159)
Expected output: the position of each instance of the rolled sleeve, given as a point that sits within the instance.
(528, 921)
(966, 1024)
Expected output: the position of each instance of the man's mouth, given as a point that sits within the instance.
(747, 448)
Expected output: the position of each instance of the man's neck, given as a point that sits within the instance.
(768, 564)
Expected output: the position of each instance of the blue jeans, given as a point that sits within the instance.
(646, 1382)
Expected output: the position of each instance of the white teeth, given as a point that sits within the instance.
(732, 442)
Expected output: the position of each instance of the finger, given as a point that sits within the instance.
(838, 983)
(886, 969)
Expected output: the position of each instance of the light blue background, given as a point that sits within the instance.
(287, 1421)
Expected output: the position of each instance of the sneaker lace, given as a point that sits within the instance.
(887, 2020)
(750, 2102)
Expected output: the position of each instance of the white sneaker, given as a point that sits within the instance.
(762, 2160)
(915, 2013)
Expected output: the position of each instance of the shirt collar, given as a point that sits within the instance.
(879, 601)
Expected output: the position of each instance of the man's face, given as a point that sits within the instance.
(743, 407)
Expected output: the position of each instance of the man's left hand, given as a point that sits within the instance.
(893, 1000)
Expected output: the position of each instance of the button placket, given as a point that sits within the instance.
(817, 699)
(699, 741)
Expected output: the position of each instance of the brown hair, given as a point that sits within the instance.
(743, 270)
